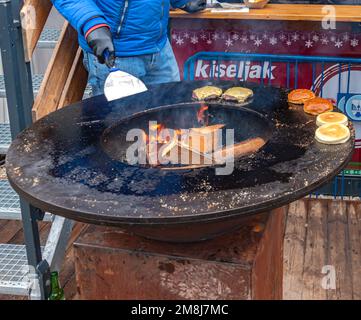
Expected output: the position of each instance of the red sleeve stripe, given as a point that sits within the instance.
(96, 27)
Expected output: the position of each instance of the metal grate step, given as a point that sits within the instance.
(14, 270)
(37, 79)
(5, 137)
(10, 203)
(48, 38)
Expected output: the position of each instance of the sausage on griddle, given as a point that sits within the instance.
(241, 149)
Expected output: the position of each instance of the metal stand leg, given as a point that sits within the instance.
(55, 247)
(20, 100)
(31, 233)
(18, 85)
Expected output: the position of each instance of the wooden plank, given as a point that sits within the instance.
(18, 237)
(8, 231)
(315, 254)
(354, 230)
(267, 272)
(67, 273)
(57, 73)
(110, 273)
(338, 250)
(75, 85)
(67, 276)
(11, 297)
(287, 12)
(294, 247)
(68, 266)
(70, 288)
(3, 223)
(33, 14)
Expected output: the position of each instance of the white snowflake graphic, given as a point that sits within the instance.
(315, 38)
(215, 36)
(346, 37)
(209, 41)
(186, 35)
(235, 37)
(179, 41)
(203, 36)
(252, 37)
(339, 44)
(229, 42)
(325, 40)
(194, 40)
(264, 36)
(354, 42)
(333, 39)
(244, 39)
(257, 42)
(289, 42)
(283, 37)
(295, 37)
(309, 44)
(273, 40)
(174, 36)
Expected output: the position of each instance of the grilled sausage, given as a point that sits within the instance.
(241, 149)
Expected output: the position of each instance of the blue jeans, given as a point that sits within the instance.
(154, 68)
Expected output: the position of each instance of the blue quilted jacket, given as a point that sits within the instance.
(138, 26)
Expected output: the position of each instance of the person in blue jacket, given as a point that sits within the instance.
(128, 34)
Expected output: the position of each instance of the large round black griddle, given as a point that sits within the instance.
(62, 164)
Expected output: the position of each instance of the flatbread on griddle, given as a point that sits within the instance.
(207, 93)
(334, 133)
(331, 117)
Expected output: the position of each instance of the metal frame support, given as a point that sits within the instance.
(57, 241)
(19, 94)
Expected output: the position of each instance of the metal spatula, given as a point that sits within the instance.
(120, 84)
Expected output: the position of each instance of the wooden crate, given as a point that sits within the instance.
(247, 264)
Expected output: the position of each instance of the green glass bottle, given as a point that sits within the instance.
(57, 292)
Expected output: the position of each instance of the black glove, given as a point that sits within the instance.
(195, 6)
(101, 42)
